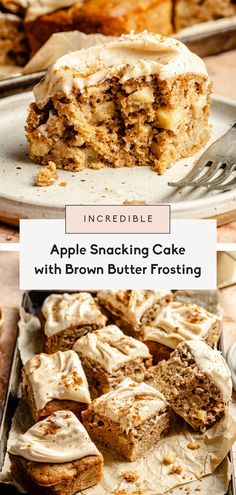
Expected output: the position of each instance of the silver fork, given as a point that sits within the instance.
(219, 157)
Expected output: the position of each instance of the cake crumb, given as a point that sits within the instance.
(63, 183)
(169, 458)
(193, 445)
(47, 176)
(130, 476)
(134, 202)
(96, 165)
(175, 470)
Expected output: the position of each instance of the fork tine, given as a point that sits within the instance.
(224, 187)
(207, 176)
(226, 172)
(191, 176)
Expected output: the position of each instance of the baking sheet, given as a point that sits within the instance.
(20, 198)
(33, 300)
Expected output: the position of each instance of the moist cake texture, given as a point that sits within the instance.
(196, 383)
(69, 317)
(54, 382)
(41, 464)
(178, 322)
(141, 100)
(108, 357)
(129, 420)
(131, 309)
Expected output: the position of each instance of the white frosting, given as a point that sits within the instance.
(57, 376)
(58, 438)
(37, 8)
(132, 56)
(130, 404)
(110, 348)
(64, 311)
(211, 363)
(178, 322)
(130, 304)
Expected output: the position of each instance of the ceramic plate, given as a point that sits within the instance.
(19, 198)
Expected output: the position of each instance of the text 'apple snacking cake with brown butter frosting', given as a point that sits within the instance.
(141, 100)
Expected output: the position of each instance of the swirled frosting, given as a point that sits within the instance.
(110, 348)
(213, 365)
(58, 438)
(57, 376)
(178, 322)
(131, 57)
(130, 404)
(130, 304)
(64, 311)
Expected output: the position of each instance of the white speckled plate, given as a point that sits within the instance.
(19, 198)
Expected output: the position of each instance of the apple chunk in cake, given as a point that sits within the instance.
(141, 100)
(130, 419)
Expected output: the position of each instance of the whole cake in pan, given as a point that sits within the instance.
(189, 12)
(53, 382)
(131, 309)
(141, 100)
(111, 18)
(196, 383)
(129, 420)
(108, 357)
(67, 317)
(56, 457)
(178, 322)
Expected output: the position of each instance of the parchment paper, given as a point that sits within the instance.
(153, 476)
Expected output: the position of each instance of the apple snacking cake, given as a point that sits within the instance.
(131, 309)
(108, 357)
(189, 12)
(53, 382)
(13, 43)
(178, 322)
(67, 317)
(196, 383)
(129, 420)
(42, 465)
(141, 100)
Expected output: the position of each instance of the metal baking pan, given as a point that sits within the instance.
(32, 302)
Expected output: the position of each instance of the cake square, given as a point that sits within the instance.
(67, 317)
(98, 16)
(53, 382)
(141, 100)
(13, 44)
(189, 12)
(178, 322)
(196, 383)
(129, 420)
(108, 357)
(42, 465)
(131, 309)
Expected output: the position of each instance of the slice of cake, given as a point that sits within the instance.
(97, 16)
(188, 12)
(196, 383)
(131, 309)
(129, 420)
(53, 382)
(176, 323)
(13, 44)
(67, 317)
(141, 100)
(56, 457)
(108, 357)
